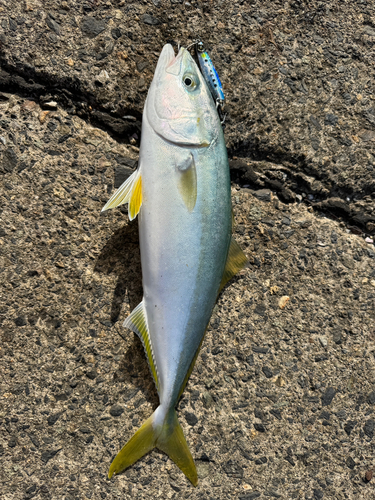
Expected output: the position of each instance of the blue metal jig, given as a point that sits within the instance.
(210, 74)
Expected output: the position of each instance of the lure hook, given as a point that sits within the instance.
(194, 43)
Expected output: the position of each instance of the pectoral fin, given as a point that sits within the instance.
(136, 198)
(236, 260)
(137, 322)
(187, 182)
(129, 192)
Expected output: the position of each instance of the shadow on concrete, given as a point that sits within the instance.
(121, 256)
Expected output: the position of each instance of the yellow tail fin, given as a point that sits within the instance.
(172, 441)
(166, 436)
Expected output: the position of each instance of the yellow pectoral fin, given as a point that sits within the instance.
(187, 183)
(236, 260)
(129, 192)
(136, 198)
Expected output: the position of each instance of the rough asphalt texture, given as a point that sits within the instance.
(281, 401)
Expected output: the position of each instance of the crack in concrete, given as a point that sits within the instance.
(24, 81)
(278, 168)
(290, 185)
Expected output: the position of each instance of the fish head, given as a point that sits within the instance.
(179, 105)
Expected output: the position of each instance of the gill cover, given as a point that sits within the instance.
(176, 103)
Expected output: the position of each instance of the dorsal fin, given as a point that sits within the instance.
(236, 260)
(129, 192)
(137, 322)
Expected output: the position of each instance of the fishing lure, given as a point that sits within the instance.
(210, 74)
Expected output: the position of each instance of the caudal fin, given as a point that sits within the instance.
(167, 436)
(172, 441)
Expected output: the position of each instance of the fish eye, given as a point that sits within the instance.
(190, 81)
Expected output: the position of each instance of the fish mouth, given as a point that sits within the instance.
(175, 65)
(167, 57)
(167, 53)
(171, 62)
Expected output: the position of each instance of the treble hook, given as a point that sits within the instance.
(198, 45)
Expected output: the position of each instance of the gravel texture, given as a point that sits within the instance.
(281, 401)
(298, 77)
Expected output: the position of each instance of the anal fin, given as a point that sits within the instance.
(137, 322)
(236, 260)
(129, 192)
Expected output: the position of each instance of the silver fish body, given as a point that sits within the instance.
(183, 253)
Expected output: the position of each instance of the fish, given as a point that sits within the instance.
(181, 195)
